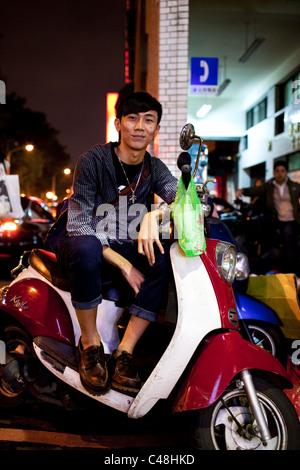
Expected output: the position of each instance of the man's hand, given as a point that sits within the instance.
(149, 234)
(132, 275)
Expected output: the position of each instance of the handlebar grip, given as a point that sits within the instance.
(183, 160)
(184, 165)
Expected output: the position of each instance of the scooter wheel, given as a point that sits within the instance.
(19, 346)
(268, 337)
(216, 427)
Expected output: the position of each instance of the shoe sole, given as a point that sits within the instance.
(95, 392)
(123, 389)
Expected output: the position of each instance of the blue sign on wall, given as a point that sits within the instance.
(204, 75)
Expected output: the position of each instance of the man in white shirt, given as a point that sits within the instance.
(281, 196)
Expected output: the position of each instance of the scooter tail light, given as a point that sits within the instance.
(226, 255)
(9, 227)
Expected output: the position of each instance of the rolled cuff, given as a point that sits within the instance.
(142, 313)
(87, 305)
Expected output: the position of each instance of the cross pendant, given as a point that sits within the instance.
(132, 198)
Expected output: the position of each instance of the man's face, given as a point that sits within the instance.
(280, 174)
(138, 129)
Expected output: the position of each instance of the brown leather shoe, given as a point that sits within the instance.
(92, 369)
(125, 377)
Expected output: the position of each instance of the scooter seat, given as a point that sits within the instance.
(45, 263)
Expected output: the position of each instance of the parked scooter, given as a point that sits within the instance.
(233, 390)
(256, 236)
(258, 322)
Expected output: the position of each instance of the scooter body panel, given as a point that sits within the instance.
(223, 291)
(219, 360)
(37, 306)
(251, 309)
(198, 313)
(107, 318)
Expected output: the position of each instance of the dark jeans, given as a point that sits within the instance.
(81, 259)
(288, 233)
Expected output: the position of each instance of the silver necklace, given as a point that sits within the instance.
(133, 197)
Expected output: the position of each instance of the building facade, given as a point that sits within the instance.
(245, 131)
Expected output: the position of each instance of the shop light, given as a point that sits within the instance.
(223, 85)
(255, 45)
(204, 110)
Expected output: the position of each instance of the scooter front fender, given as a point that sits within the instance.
(219, 360)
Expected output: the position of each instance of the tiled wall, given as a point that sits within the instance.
(173, 76)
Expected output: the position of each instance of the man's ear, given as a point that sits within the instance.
(157, 130)
(118, 124)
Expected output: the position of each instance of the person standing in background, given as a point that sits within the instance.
(281, 197)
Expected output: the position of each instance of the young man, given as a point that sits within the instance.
(110, 181)
(281, 198)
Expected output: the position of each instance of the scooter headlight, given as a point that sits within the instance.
(242, 269)
(226, 260)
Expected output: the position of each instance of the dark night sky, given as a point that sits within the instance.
(63, 56)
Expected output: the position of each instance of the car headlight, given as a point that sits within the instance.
(226, 260)
(242, 269)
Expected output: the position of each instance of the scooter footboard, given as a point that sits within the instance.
(220, 359)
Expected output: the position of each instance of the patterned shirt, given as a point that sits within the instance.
(96, 209)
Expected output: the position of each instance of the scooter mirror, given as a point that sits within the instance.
(187, 136)
(187, 139)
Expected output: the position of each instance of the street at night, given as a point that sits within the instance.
(149, 229)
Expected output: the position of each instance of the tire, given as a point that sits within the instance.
(268, 337)
(215, 429)
(17, 342)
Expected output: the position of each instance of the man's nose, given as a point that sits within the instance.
(139, 123)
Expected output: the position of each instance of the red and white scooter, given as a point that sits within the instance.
(234, 389)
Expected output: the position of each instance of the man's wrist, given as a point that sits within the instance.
(165, 210)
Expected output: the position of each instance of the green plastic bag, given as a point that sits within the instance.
(189, 220)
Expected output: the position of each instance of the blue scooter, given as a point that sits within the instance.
(258, 322)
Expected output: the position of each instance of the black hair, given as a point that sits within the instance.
(281, 163)
(139, 102)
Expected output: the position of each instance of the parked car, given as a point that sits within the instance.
(26, 233)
